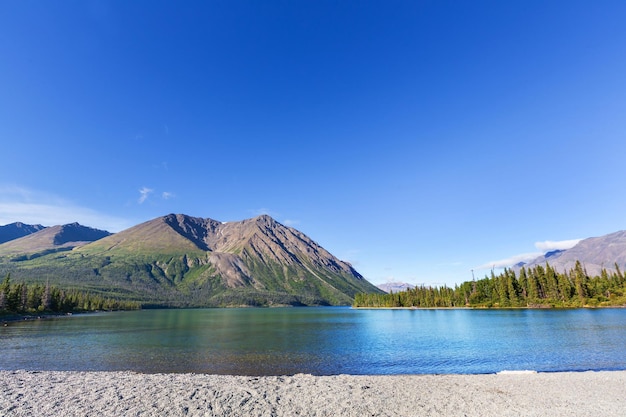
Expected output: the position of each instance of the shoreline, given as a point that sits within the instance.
(543, 307)
(13, 318)
(511, 393)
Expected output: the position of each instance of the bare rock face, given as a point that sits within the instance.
(195, 229)
(232, 269)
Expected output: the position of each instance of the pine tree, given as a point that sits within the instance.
(46, 298)
(533, 287)
(565, 287)
(580, 282)
(523, 283)
(5, 287)
(513, 287)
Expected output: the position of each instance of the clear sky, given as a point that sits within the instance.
(419, 140)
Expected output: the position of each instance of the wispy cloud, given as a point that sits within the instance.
(549, 245)
(36, 207)
(510, 261)
(542, 248)
(290, 222)
(144, 193)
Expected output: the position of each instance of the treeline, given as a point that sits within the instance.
(22, 298)
(540, 286)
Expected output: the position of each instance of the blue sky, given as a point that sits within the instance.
(419, 140)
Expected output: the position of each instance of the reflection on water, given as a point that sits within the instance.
(320, 341)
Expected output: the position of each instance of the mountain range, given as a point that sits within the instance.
(395, 286)
(595, 254)
(180, 260)
(43, 240)
(17, 230)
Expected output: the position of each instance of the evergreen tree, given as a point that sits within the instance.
(533, 287)
(523, 283)
(46, 298)
(552, 292)
(4, 291)
(536, 286)
(565, 287)
(513, 287)
(580, 282)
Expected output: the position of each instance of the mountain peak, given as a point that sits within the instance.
(17, 230)
(264, 220)
(53, 238)
(75, 232)
(395, 286)
(182, 260)
(257, 255)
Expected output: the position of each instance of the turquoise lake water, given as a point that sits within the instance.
(320, 341)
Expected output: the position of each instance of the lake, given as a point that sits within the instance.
(320, 341)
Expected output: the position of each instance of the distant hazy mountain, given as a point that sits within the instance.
(51, 239)
(395, 286)
(16, 230)
(594, 253)
(189, 261)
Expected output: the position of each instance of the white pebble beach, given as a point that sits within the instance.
(52, 393)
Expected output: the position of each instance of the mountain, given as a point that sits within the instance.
(541, 260)
(179, 260)
(52, 239)
(595, 253)
(16, 230)
(395, 286)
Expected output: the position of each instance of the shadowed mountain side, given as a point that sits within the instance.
(17, 230)
(63, 237)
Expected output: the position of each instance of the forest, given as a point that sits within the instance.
(537, 287)
(22, 298)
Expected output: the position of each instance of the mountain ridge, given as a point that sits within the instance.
(181, 260)
(17, 230)
(395, 286)
(594, 253)
(59, 237)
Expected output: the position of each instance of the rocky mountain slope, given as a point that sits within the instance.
(594, 253)
(181, 260)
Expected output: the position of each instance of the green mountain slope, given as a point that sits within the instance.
(179, 260)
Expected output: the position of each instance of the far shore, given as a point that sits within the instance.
(542, 307)
(12, 318)
(52, 393)
(29, 317)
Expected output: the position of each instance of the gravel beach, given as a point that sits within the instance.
(32, 393)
